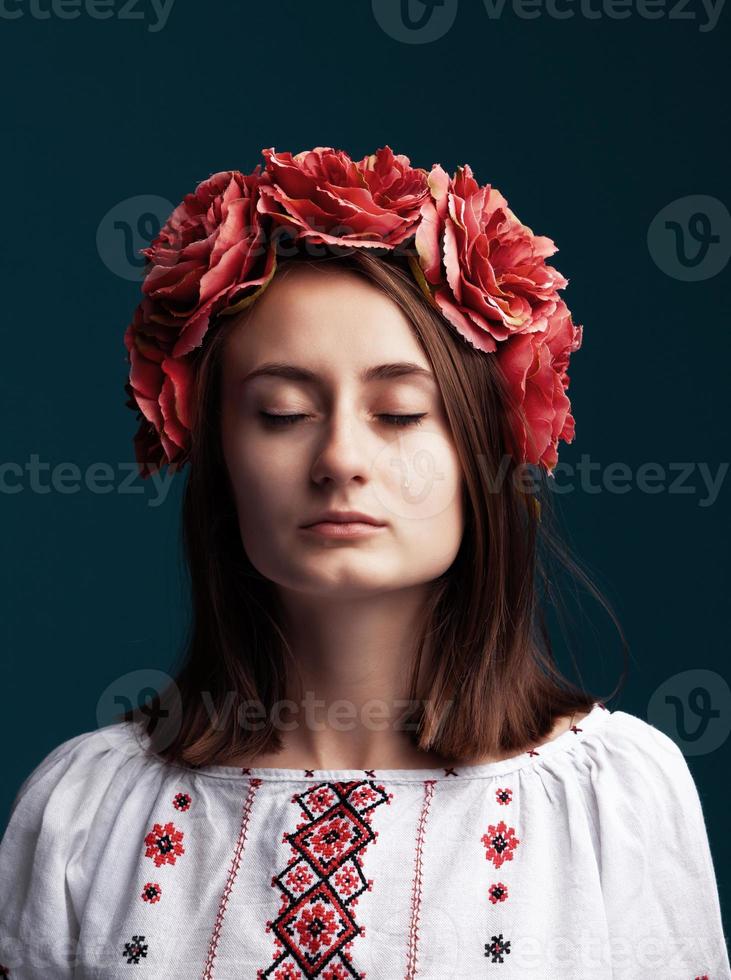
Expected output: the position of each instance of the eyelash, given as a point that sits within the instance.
(276, 420)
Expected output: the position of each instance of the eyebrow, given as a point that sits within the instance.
(379, 372)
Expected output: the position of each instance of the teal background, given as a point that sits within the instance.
(589, 128)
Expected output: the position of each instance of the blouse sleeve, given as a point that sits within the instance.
(43, 881)
(656, 869)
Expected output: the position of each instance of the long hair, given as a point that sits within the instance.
(494, 685)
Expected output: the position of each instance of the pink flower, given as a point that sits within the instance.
(211, 254)
(535, 366)
(325, 196)
(487, 270)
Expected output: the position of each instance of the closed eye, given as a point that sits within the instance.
(279, 421)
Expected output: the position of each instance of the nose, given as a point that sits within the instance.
(345, 448)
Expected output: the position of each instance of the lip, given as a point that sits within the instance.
(344, 517)
(344, 529)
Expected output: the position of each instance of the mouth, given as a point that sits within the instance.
(345, 517)
(344, 529)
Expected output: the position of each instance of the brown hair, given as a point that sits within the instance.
(494, 687)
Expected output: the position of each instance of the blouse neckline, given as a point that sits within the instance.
(596, 718)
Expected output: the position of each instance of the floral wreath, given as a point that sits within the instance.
(482, 268)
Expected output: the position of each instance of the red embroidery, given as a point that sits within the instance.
(503, 796)
(164, 844)
(315, 926)
(500, 843)
(232, 872)
(182, 802)
(498, 892)
(411, 961)
(151, 892)
(704, 977)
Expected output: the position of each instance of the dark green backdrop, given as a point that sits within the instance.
(595, 126)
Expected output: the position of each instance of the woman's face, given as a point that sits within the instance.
(309, 350)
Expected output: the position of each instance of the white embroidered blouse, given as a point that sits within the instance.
(584, 858)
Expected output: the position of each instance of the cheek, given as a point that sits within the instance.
(262, 480)
(258, 466)
(418, 481)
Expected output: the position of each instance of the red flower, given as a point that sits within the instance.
(211, 254)
(488, 270)
(164, 844)
(498, 892)
(481, 267)
(535, 367)
(182, 801)
(500, 842)
(151, 892)
(325, 196)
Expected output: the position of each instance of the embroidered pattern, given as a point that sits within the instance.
(164, 844)
(320, 886)
(411, 961)
(498, 892)
(182, 802)
(135, 949)
(497, 948)
(500, 842)
(232, 873)
(151, 892)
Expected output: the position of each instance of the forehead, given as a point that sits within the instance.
(325, 319)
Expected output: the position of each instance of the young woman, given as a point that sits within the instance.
(369, 763)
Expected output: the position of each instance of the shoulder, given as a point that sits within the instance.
(629, 742)
(654, 861)
(636, 774)
(60, 823)
(79, 769)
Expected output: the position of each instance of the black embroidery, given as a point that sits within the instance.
(135, 949)
(497, 947)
